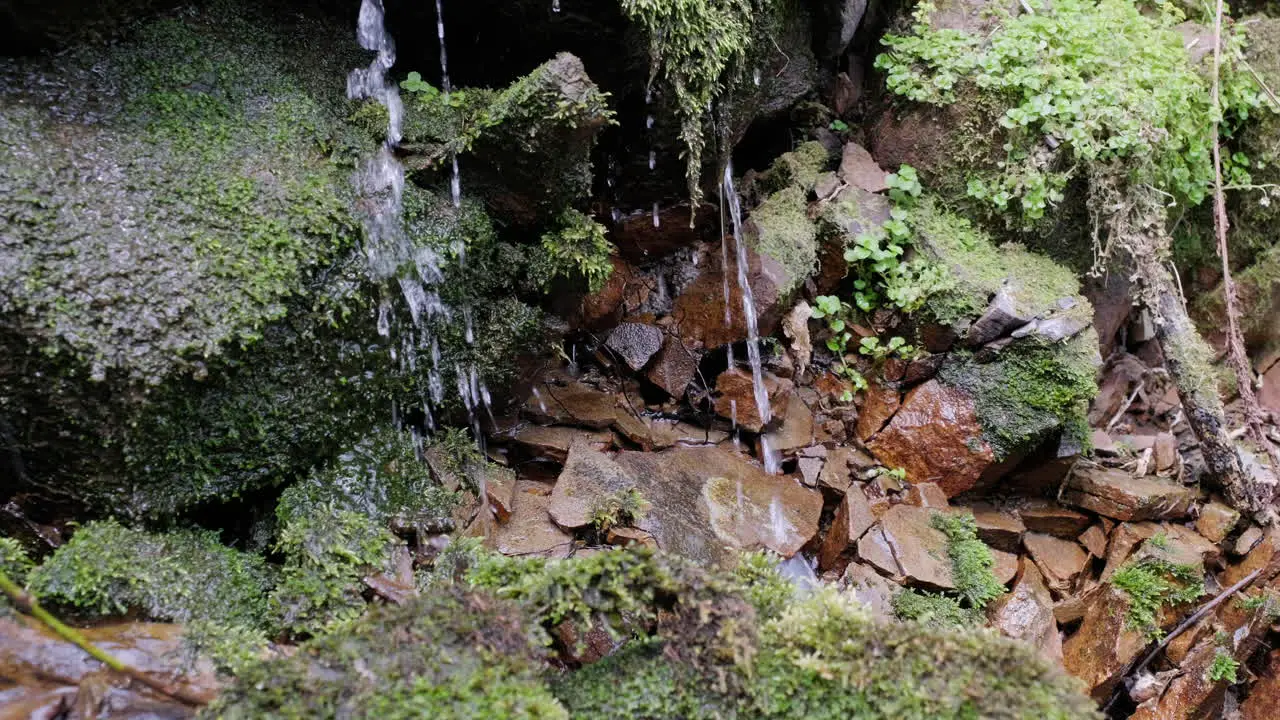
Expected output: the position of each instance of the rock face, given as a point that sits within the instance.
(736, 398)
(916, 550)
(588, 479)
(853, 518)
(699, 310)
(674, 367)
(1104, 645)
(1119, 495)
(574, 403)
(935, 437)
(706, 501)
(529, 531)
(1026, 613)
(1059, 561)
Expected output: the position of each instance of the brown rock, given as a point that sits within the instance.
(588, 479)
(1248, 539)
(736, 398)
(1026, 613)
(797, 429)
(635, 343)
(1050, 518)
(871, 588)
(1005, 567)
(878, 407)
(935, 437)
(1166, 452)
(997, 528)
(1043, 478)
(859, 169)
(853, 518)
(626, 536)
(1119, 495)
(1102, 442)
(639, 241)
(582, 648)
(1217, 520)
(810, 469)
(500, 489)
(875, 549)
(1095, 541)
(1124, 539)
(705, 502)
(836, 473)
(661, 433)
(603, 308)
(1059, 561)
(1071, 609)
(1264, 695)
(674, 367)
(1100, 651)
(919, 550)
(699, 310)
(552, 442)
(927, 495)
(574, 403)
(529, 531)
(1264, 555)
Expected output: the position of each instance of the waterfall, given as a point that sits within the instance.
(730, 195)
(455, 180)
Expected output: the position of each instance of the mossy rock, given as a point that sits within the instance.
(107, 569)
(780, 227)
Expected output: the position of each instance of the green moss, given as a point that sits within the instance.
(934, 610)
(1031, 390)
(1152, 585)
(450, 655)
(108, 569)
(641, 683)
(763, 584)
(577, 251)
(798, 168)
(231, 648)
(621, 509)
(327, 552)
(781, 229)
(971, 559)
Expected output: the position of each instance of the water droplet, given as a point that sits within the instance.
(653, 159)
(555, 5)
(616, 215)
(755, 76)
(648, 122)
(656, 221)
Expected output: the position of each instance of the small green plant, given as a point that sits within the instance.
(1160, 540)
(578, 248)
(934, 609)
(971, 559)
(1223, 667)
(839, 126)
(414, 83)
(1152, 584)
(763, 585)
(899, 474)
(896, 347)
(621, 509)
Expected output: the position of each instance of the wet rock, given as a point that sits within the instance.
(810, 469)
(878, 406)
(625, 536)
(736, 398)
(696, 509)
(1125, 538)
(1264, 694)
(553, 442)
(935, 437)
(574, 403)
(927, 495)
(500, 489)
(1217, 520)
(699, 309)
(917, 549)
(588, 480)
(635, 343)
(860, 170)
(1102, 442)
(529, 531)
(1166, 452)
(1026, 613)
(923, 368)
(1046, 516)
(838, 472)
(674, 367)
(853, 517)
(1247, 540)
(661, 433)
(1000, 529)
(796, 327)
(1060, 561)
(874, 548)
(797, 428)
(1100, 651)
(602, 308)
(871, 588)
(1001, 316)
(640, 241)
(1095, 541)
(1117, 494)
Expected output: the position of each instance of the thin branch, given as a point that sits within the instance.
(28, 604)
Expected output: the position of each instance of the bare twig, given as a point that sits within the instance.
(28, 604)
(1125, 407)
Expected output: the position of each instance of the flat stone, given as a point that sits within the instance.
(1000, 317)
(707, 502)
(635, 343)
(875, 549)
(1005, 566)
(674, 367)
(870, 588)
(838, 472)
(1166, 452)
(935, 437)
(553, 442)
(1050, 518)
(1094, 540)
(1059, 561)
(853, 517)
(500, 489)
(529, 531)
(810, 469)
(736, 398)
(860, 170)
(1125, 538)
(1119, 495)
(797, 429)
(1025, 613)
(919, 549)
(927, 495)
(1000, 529)
(588, 479)
(661, 433)
(1251, 536)
(1217, 520)
(1103, 443)
(878, 406)
(1099, 652)
(574, 403)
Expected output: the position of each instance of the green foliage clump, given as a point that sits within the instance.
(327, 552)
(621, 509)
(451, 655)
(781, 229)
(576, 250)
(798, 168)
(231, 648)
(14, 561)
(1153, 584)
(109, 569)
(693, 44)
(971, 559)
(1223, 667)
(1107, 82)
(763, 584)
(935, 610)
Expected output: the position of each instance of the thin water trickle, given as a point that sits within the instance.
(648, 122)
(656, 220)
(542, 404)
(555, 5)
(755, 76)
(653, 159)
(770, 460)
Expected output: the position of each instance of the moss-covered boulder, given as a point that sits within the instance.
(780, 228)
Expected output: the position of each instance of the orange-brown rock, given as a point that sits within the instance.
(588, 480)
(927, 495)
(674, 367)
(1050, 518)
(529, 531)
(1100, 651)
(871, 588)
(601, 309)
(552, 442)
(1000, 529)
(878, 406)
(853, 518)
(1026, 613)
(699, 310)
(736, 398)
(860, 170)
(1095, 541)
(916, 548)
(573, 403)
(1264, 695)
(1118, 494)
(935, 437)
(1059, 561)
(796, 430)
(500, 489)
(1217, 520)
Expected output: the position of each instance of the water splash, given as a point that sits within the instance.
(648, 122)
(770, 460)
(755, 76)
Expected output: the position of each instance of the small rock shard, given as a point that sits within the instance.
(635, 343)
(1059, 561)
(853, 518)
